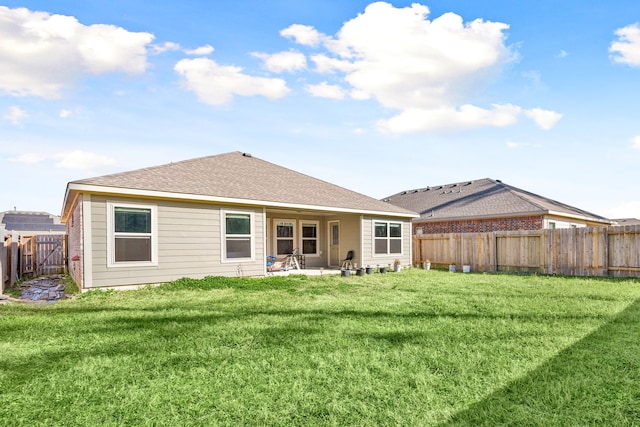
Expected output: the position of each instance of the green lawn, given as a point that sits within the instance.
(411, 348)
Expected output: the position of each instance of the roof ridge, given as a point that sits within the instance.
(440, 185)
(514, 190)
(149, 168)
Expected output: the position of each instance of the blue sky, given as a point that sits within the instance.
(376, 97)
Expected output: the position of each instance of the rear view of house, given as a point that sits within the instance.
(221, 215)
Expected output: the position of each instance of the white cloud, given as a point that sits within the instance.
(165, 47)
(304, 35)
(325, 90)
(448, 118)
(545, 119)
(635, 142)
(512, 145)
(83, 160)
(29, 158)
(627, 49)
(15, 115)
(65, 113)
(426, 69)
(325, 64)
(41, 54)
(283, 61)
(562, 54)
(201, 51)
(217, 84)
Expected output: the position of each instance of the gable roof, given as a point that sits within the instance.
(626, 221)
(234, 178)
(482, 198)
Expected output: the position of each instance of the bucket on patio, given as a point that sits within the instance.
(360, 272)
(466, 268)
(383, 270)
(369, 270)
(452, 268)
(345, 272)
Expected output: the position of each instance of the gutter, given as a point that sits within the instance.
(513, 215)
(77, 188)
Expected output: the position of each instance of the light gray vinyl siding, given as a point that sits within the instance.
(350, 237)
(370, 258)
(189, 244)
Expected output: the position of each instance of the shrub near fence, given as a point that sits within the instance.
(599, 251)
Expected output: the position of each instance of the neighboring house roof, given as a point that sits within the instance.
(482, 198)
(235, 178)
(31, 222)
(626, 221)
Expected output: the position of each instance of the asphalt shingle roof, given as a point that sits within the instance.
(236, 175)
(479, 198)
(31, 221)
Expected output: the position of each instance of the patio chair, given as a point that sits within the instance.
(285, 263)
(273, 264)
(346, 263)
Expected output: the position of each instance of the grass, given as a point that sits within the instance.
(411, 348)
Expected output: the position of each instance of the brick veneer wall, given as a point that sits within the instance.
(74, 243)
(481, 225)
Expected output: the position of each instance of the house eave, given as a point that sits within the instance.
(514, 215)
(74, 188)
(580, 217)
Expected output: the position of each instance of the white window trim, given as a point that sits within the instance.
(317, 238)
(388, 239)
(111, 235)
(223, 236)
(275, 234)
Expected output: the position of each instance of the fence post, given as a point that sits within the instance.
(3, 260)
(14, 260)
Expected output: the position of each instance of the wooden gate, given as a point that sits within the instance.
(42, 255)
(27, 252)
(51, 254)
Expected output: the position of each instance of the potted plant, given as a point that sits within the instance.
(397, 265)
(426, 265)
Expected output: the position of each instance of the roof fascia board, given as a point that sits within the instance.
(581, 217)
(67, 194)
(514, 215)
(229, 200)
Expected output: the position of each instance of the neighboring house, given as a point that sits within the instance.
(626, 221)
(486, 205)
(221, 215)
(26, 223)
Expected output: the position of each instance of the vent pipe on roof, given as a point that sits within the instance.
(246, 155)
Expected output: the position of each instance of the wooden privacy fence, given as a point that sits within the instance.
(33, 256)
(601, 251)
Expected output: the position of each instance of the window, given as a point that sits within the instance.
(284, 237)
(309, 231)
(238, 235)
(387, 238)
(132, 235)
(552, 225)
(335, 234)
